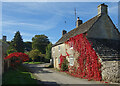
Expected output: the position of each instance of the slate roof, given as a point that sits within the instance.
(83, 28)
(107, 49)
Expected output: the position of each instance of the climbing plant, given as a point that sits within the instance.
(63, 63)
(88, 62)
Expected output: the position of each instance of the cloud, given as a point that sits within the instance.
(43, 26)
(27, 34)
(38, 8)
(8, 31)
(40, 27)
(113, 9)
(34, 8)
(21, 32)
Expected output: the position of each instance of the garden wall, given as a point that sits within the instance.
(110, 71)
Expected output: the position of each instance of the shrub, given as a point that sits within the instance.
(34, 54)
(17, 58)
(64, 65)
(11, 51)
(48, 52)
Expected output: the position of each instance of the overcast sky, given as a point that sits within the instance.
(35, 18)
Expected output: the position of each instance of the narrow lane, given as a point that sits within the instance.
(50, 76)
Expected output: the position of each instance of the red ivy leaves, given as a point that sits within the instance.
(67, 54)
(61, 60)
(89, 65)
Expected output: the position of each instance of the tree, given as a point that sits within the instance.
(9, 42)
(18, 43)
(48, 52)
(11, 48)
(9, 51)
(28, 46)
(33, 54)
(40, 42)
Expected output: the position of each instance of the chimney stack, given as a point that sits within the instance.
(4, 38)
(78, 22)
(64, 32)
(102, 9)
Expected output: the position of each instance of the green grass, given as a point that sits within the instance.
(33, 62)
(18, 76)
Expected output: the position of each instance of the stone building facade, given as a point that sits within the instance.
(3, 49)
(104, 36)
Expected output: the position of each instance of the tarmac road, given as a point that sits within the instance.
(53, 77)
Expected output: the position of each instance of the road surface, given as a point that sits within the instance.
(51, 76)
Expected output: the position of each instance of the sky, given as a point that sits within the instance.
(48, 18)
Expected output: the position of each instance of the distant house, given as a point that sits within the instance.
(105, 40)
(3, 50)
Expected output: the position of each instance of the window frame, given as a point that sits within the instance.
(71, 63)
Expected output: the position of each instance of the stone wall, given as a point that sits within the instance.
(56, 52)
(111, 71)
(4, 47)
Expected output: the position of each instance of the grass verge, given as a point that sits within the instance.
(33, 62)
(19, 76)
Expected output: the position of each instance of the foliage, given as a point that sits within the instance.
(11, 48)
(28, 46)
(41, 57)
(40, 42)
(27, 53)
(63, 63)
(9, 51)
(64, 66)
(9, 42)
(18, 43)
(17, 58)
(88, 62)
(18, 77)
(48, 52)
(34, 54)
(33, 62)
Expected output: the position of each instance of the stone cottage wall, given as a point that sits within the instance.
(111, 71)
(56, 52)
(5, 65)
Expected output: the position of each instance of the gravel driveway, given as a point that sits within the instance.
(53, 77)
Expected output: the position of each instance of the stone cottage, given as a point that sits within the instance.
(104, 37)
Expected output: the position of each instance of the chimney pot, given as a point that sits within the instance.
(4, 38)
(78, 22)
(78, 18)
(64, 32)
(102, 9)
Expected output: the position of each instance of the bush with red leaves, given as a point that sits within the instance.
(16, 58)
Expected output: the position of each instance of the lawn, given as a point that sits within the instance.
(19, 76)
(33, 62)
